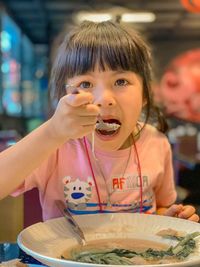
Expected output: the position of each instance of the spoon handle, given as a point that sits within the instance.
(73, 224)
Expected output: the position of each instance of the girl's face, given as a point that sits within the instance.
(119, 95)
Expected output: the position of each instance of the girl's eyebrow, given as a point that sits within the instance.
(120, 72)
(85, 74)
(113, 72)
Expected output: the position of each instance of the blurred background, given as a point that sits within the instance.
(29, 32)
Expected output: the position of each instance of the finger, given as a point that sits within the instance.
(174, 210)
(194, 218)
(87, 110)
(87, 120)
(76, 100)
(186, 212)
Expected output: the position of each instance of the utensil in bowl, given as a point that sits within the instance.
(73, 224)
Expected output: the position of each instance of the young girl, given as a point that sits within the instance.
(97, 153)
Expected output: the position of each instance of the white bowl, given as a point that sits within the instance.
(47, 241)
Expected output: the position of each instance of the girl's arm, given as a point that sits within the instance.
(180, 211)
(18, 161)
(73, 118)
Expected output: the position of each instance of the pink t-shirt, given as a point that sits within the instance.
(68, 176)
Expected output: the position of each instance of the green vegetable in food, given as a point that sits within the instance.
(185, 246)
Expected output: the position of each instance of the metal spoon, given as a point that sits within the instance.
(72, 223)
(101, 125)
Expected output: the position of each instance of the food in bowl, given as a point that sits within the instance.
(133, 251)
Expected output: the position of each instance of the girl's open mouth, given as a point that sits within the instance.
(108, 127)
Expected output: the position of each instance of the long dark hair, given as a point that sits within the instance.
(110, 45)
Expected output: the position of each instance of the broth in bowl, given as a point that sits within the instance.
(116, 251)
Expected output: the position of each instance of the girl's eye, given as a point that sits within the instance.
(121, 82)
(85, 85)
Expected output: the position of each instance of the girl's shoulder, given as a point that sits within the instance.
(151, 134)
(152, 130)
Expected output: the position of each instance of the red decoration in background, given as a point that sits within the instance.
(179, 88)
(191, 5)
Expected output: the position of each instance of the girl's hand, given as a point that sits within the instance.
(74, 117)
(181, 211)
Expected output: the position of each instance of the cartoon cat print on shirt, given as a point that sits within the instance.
(77, 193)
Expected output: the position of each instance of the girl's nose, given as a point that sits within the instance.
(104, 99)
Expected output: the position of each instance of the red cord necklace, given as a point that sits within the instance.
(95, 182)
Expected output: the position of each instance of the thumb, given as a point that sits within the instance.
(174, 210)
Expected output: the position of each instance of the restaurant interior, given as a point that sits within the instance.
(30, 31)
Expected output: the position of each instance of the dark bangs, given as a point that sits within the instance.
(107, 46)
(103, 44)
